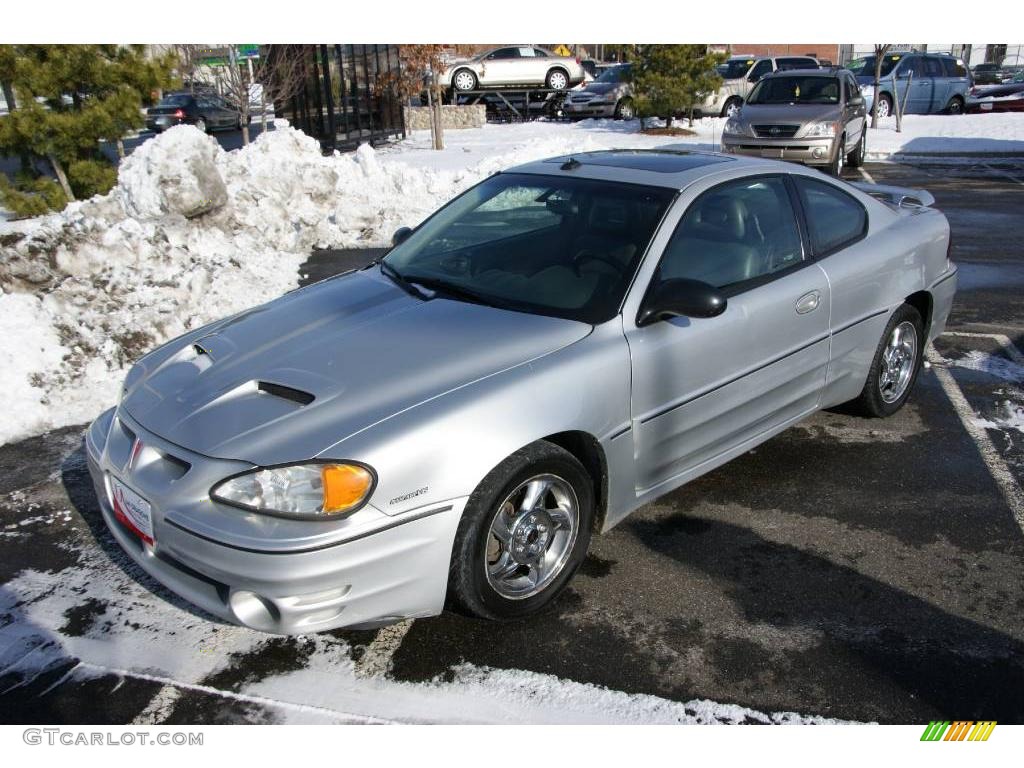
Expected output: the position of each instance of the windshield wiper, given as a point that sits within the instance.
(396, 277)
(451, 290)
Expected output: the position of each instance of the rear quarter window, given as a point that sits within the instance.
(834, 218)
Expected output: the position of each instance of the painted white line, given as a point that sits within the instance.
(379, 654)
(160, 707)
(249, 698)
(867, 176)
(997, 466)
(1003, 340)
(1001, 172)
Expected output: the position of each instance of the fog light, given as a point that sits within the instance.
(819, 152)
(254, 610)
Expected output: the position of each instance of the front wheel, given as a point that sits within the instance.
(856, 158)
(624, 110)
(731, 107)
(464, 80)
(523, 534)
(895, 366)
(955, 106)
(835, 168)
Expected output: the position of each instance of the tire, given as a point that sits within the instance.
(873, 401)
(884, 108)
(557, 80)
(856, 158)
(731, 105)
(955, 106)
(465, 80)
(835, 168)
(200, 123)
(475, 585)
(624, 110)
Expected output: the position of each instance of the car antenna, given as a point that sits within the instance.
(571, 164)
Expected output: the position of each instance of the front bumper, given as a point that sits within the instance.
(807, 151)
(588, 109)
(346, 573)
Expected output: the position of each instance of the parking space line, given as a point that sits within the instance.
(159, 707)
(1001, 172)
(379, 654)
(248, 698)
(1001, 339)
(867, 176)
(997, 466)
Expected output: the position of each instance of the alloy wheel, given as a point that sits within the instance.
(464, 81)
(557, 80)
(898, 361)
(531, 537)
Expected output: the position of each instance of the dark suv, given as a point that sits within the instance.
(206, 111)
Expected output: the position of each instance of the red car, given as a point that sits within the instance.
(998, 98)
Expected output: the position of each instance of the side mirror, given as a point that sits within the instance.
(856, 101)
(681, 298)
(400, 236)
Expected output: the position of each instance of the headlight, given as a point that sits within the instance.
(822, 130)
(736, 127)
(308, 491)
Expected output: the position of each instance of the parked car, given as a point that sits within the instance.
(999, 98)
(610, 95)
(937, 82)
(816, 117)
(206, 111)
(557, 346)
(524, 65)
(740, 73)
(987, 74)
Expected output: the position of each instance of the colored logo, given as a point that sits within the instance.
(958, 730)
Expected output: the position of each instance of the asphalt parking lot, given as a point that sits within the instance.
(856, 569)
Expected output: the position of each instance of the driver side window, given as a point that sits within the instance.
(733, 234)
(760, 69)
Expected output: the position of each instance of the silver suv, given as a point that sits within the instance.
(815, 117)
(740, 73)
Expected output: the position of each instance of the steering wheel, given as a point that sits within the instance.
(583, 256)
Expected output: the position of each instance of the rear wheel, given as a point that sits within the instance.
(201, 124)
(895, 366)
(523, 534)
(557, 80)
(955, 106)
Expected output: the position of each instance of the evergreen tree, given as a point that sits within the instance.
(670, 80)
(69, 99)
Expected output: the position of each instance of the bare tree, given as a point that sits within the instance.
(420, 67)
(880, 50)
(236, 77)
(282, 71)
(189, 60)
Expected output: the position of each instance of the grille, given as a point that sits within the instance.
(776, 131)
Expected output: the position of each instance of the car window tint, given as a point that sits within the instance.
(737, 232)
(505, 53)
(762, 67)
(932, 67)
(539, 53)
(834, 218)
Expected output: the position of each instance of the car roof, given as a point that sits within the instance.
(822, 72)
(671, 168)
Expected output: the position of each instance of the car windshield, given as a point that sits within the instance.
(865, 66)
(175, 100)
(613, 75)
(796, 90)
(549, 245)
(735, 68)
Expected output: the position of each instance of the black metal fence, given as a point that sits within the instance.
(348, 98)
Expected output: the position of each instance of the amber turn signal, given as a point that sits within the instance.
(345, 486)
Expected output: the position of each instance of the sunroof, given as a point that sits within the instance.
(659, 161)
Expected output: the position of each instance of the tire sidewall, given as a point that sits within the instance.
(547, 80)
(872, 396)
(455, 86)
(468, 586)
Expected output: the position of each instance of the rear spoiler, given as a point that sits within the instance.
(898, 197)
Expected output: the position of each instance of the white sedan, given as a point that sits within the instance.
(523, 65)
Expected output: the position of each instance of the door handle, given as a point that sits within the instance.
(808, 302)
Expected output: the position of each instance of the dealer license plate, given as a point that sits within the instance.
(132, 510)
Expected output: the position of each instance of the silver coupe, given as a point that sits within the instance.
(559, 345)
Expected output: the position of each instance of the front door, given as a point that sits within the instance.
(706, 389)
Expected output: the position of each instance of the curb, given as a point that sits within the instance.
(925, 155)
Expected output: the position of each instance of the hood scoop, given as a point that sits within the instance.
(285, 393)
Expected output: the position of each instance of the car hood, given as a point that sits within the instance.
(789, 113)
(285, 381)
(601, 88)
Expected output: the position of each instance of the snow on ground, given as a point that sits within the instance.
(1008, 413)
(127, 630)
(192, 233)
